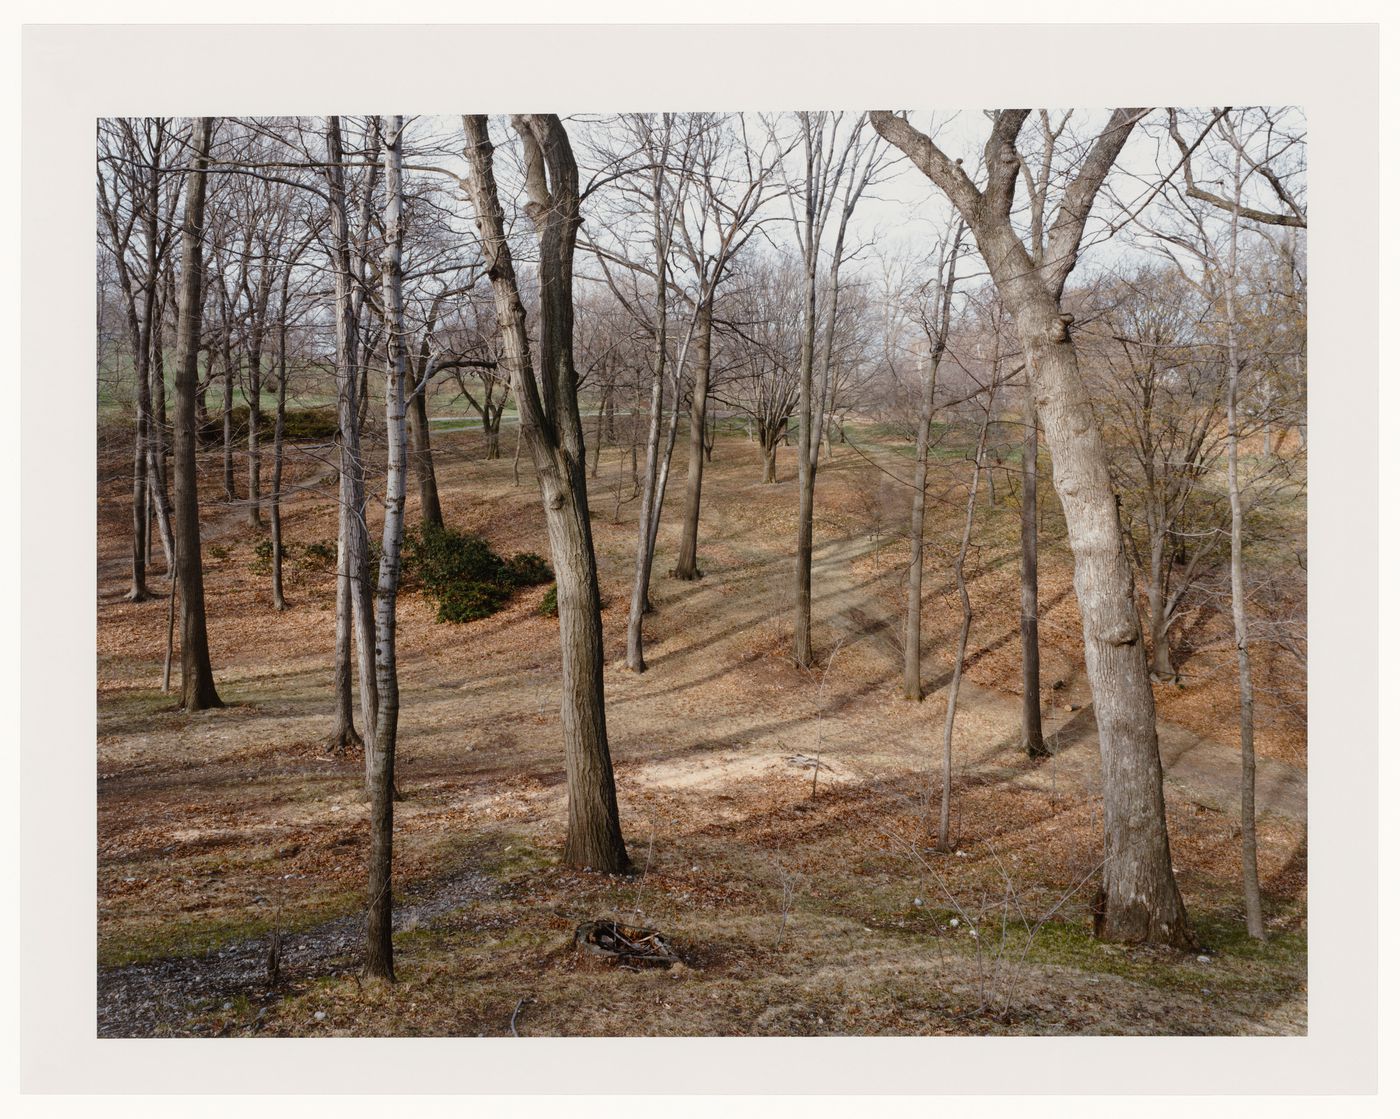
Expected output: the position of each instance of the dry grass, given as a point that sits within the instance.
(795, 914)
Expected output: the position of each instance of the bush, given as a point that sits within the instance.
(467, 602)
(439, 559)
(527, 570)
(318, 554)
(549, 605)
(315, 424)
(461, 574)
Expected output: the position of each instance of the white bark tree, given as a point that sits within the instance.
(1140, 901)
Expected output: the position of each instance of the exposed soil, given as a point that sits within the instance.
(798, 908)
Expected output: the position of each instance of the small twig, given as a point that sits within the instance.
(523, 1000)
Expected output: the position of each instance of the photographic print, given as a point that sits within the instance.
(703, 573)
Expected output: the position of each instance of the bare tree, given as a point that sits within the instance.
(550, 424)
(836, 169)
(379, 945)
(1141, 901)
(137, 189)
(732, 188)
(960, 654)
(354, 610)
(761, 341)
(936, 322)
(197, 690)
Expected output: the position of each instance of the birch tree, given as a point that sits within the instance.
(379, 945)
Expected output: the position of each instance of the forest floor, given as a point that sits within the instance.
(798, 905)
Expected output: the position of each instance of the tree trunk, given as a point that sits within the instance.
(197, 690)
(1249, 842)
(769, 443)
(229, 494)
(278, 434)
(960, 576)
(914, 612)
(1157, 625)
(352, 548)
(493, 437)
(379, 944)
(254, 435)
(806, 480)
(140, 509)
(344, 736)
(641, 572)
(686, 567)
(554, 432)
(1032, 736)
(156, 489)
(421, 458)
(1141, 902)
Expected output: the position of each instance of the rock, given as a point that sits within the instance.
(320, 1015)
(1203, 959)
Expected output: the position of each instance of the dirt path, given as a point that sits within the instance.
(1198, 769)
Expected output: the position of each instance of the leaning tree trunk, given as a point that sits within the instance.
(1157, 622)
(641, 571)
(554, 432)
(421, 457)
(156, 490)
(140, 501)
(914, 611)
(1140, 899)
(1141, 902)
(686, 564)
(1032, 735)
(197, 690)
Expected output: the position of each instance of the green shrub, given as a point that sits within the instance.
(297, 424)
(438, 559)
(466, 602)
(319, 554)
(549, 605)
(525, 569)
(461, 574)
